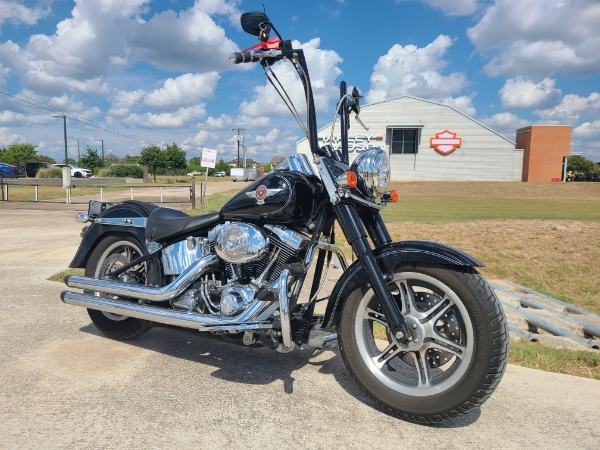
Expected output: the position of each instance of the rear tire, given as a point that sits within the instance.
(462, 347)
(112, 252)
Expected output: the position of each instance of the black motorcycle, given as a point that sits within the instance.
(420, 331)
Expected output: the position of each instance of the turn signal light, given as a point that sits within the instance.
(351, 179)
(391, 196)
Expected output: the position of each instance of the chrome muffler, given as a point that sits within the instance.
(150, 293)
(202, 322)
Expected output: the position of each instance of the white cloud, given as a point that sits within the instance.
(323, 69)
(6, 137)
(28, 15)
(588, 130)
(505, 124)
(411, 70)
(522, 93)
(463, 104)
(571, 108)
(184, 90)
(202, 138)
(539, 37)
(451, 7)
(188, 41)
(269, 138)
(178, 119)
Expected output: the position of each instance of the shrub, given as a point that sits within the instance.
(51, 172)
(126, 171)
(103, 173)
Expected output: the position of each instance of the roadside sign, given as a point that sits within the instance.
(209, 158)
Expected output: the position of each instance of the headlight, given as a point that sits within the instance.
(374, 167)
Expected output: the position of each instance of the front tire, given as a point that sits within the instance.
(457, 354)
(110, 254)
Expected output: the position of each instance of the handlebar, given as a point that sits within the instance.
(254, 56)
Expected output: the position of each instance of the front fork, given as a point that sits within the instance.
(355, 233)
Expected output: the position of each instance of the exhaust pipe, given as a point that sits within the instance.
(150, 293)
(164, 315)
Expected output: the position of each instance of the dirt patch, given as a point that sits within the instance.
(558, 258)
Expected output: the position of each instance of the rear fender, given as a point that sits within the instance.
(388, 257)
(96, 231)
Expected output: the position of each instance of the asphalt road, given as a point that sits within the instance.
(63, 385)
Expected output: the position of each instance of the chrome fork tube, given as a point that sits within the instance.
(284, 309)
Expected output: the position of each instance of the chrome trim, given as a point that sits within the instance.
(139, 222)
(150, 293)
(242, 327)
(335, 249)
(155, 314)
(284, 309)
(231, 305)
(152, 246)
(82, 218)
(367, 203)
(364, 166)
(289, 237)
(251, 241)
(179, 256)
(327, 181)
(298, 163)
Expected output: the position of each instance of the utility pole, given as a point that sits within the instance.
(238, 143)
(101, 140)
(65, 124)
(78, 155)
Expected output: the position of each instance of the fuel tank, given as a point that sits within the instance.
(285, 197)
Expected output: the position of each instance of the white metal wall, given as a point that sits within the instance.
(483, 156)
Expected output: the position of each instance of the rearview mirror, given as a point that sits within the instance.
(257, 24)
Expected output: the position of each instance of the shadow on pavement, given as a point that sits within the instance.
(256, 365)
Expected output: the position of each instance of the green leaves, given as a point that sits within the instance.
(18, 154)
(155, 157)
(91, 160)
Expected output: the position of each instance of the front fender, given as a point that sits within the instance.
(388, 257)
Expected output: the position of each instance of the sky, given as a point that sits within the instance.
(137, 72)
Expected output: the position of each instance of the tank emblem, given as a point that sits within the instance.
(261, 193)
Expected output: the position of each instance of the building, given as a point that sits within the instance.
(546, 151)
(426, 140)
(276, 160)
(250, 163)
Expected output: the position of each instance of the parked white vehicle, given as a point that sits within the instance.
(220, 174)
(76, 172)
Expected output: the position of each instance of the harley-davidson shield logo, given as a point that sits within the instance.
(261, 193)
(445, 142)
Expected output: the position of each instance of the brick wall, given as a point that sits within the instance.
(544, 150)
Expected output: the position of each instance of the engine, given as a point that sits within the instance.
(252, 258)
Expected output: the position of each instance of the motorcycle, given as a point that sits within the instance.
(418, 328)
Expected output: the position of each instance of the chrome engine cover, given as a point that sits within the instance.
(239, 243)
(179, 256)
(235, 299)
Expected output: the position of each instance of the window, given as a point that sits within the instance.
(404, 141)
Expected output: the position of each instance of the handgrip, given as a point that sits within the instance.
(245, 57)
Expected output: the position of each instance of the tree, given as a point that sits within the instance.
(267, 168)
(71, 161)
(222, 166)
(579, 164)
(128, 159)
(175, 158)
(111, 159)
(153, 157)
(91, 160)
(44, 158)
(19, 154)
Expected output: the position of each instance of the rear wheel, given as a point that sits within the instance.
(455, 357)
(111, 254)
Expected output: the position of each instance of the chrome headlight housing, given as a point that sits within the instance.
(373, 166)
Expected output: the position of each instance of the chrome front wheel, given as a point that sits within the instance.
(454, 358)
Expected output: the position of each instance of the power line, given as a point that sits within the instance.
(75, 117)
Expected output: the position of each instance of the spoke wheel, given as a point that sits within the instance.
(456, 354)
(111, 254)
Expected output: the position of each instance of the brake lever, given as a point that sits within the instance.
(361, 122)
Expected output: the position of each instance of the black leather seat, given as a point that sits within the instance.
(166, 223)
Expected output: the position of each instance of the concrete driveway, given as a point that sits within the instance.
(63, 385)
